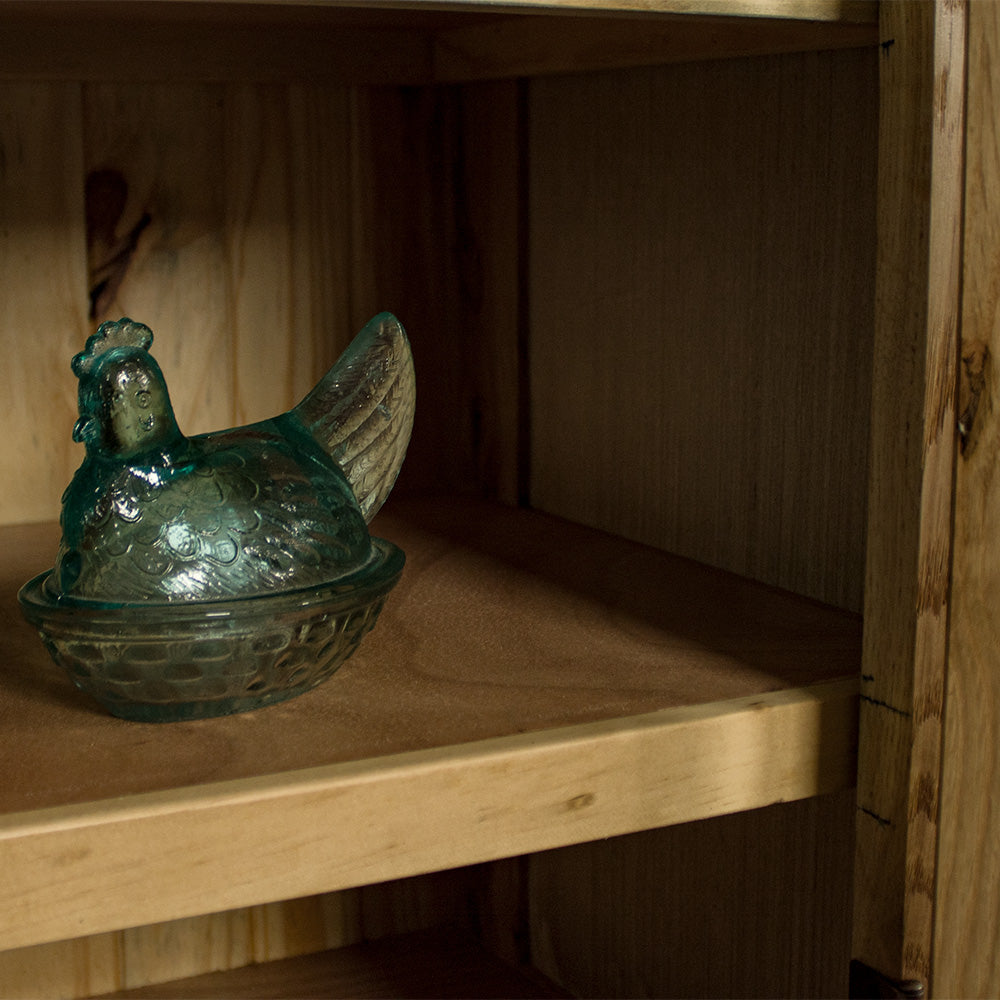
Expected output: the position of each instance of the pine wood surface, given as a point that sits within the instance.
(967, 913)
(519, 46)
(440, 964)
(418, 44)
(405, 12)
(756, 904)
(701, 301)
(43, 267)
(625, 672)
(222, 217)
(504, 622)
(910, 513)
(180, 949)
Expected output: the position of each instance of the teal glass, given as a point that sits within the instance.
(215, 574)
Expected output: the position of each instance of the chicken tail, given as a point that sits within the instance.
(361, 412)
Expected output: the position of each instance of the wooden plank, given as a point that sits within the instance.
(439, 180)
(489, 220)
(532, 46)
(144, 956)
(756, 904)
(701, 299)
(438, 707)
(237, 200)
(163, 144)
(581, 644)
(288, 240)
(157, 42)
(258, 223)
(325, 246)
(822, 10)
(910, 512)
(64, 42)
(967, 913)
(442, 964)
(43, 310)
(809, 10)
(162, 855)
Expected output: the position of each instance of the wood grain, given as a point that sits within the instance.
(139, 957)
(244, 271)
(192, 43)
(581, 644)
(821, 10)
(221, 217)
(537, 46)
(615, 708)
(967, 914)
(438, 211)
(755, 904)
(85, 869)
(442, 964)
(700, 299)
(419, 44)
(289, 247)
(913, 449)
(142, 955)
(167, 145)
(43, 307)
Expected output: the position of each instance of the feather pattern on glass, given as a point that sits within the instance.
(361, 412)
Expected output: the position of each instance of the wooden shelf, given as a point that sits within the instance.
(441, 964)
(404, 43)
(531, 684)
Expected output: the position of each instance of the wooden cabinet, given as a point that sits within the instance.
(683, 284)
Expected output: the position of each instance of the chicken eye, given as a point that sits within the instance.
(142, 399)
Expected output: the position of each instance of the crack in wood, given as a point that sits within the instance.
(878, 703)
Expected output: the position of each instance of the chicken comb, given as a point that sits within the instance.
(114, 333)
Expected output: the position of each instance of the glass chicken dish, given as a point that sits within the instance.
(215, 574)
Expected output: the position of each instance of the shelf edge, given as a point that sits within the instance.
(76, 870)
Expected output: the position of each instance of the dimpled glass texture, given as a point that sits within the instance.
(202, 576)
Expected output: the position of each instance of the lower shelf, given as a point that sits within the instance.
(444, 964)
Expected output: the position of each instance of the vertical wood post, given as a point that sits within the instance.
(910, 500)
(967, 914)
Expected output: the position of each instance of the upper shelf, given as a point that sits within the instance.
(819, 10)
(414, 42)
(531, 684)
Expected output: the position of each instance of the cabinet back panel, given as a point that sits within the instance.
(754, 904)
(43, 277)
(701, 310)
(220, 215)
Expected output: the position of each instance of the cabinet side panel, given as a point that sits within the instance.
(967, 917)
(753, 904)
(43, 305)
(701, 295)
(912, 470)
